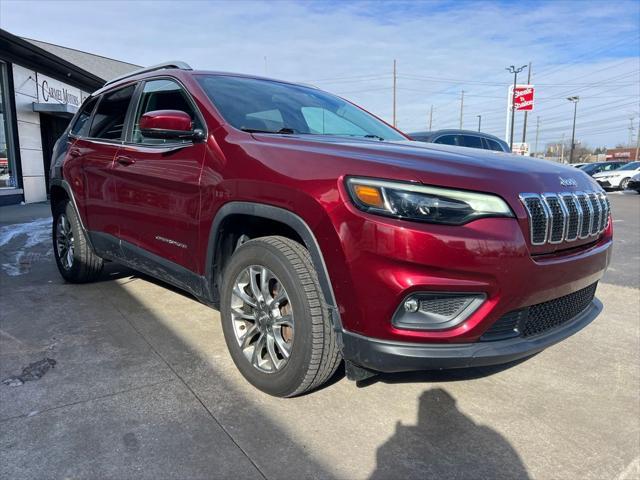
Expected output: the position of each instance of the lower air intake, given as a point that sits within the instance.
(542, 317)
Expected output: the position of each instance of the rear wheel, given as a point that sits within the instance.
(275, 319)
(76, 260)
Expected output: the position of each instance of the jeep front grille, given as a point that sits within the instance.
(565, 217)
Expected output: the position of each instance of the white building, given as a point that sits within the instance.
(41, 87)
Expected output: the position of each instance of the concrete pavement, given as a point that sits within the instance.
(144, 388)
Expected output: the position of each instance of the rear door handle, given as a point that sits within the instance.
(123, 160)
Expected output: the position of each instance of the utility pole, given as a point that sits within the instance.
(479, 121)
(630, 142)
(573, 100)
(265, 65)
(562, 154)
(515, 71)
(524, 126)
(461, 107)
(394, 93)
(638, 142)
(430, 117)
(535, 151)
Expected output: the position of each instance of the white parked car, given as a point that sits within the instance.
(617, 179)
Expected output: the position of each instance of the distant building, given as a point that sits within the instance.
(41, 87)
(622, 154)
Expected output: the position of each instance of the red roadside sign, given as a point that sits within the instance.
(523, 97)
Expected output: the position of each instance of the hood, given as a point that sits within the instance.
(442, 165)
(315, 158)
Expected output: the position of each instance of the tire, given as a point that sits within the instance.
(81, 265)
(624, 183)
(287, 270)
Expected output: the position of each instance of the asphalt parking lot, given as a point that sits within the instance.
(143, 387)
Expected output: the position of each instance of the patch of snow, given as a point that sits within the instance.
(30, 234)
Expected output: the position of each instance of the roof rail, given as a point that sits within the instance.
(161, 66)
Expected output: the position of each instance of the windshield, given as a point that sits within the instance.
(267, 106)
(589, 168)
(630, 166)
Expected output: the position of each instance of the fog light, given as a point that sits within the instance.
(411, 305)
(436, 311)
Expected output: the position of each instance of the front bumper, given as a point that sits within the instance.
(604, 183)
(634, 185)
(391, 356)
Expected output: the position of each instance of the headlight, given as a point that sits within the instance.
(411, 201)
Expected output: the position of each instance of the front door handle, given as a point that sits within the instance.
(74, 152)
(123, 160)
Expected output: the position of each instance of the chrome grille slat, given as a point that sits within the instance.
(538, 218)
(566, 216)
(587, 214)
(597, 213)
(558, 224)
(604, 201)
(574, 215)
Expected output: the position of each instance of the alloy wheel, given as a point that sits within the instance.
(64, 242)
(262, 318)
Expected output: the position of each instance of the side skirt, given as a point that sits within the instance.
(136, 258)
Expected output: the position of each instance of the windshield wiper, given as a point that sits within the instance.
(371, 135)
(285, 130)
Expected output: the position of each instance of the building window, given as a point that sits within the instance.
(7, 155)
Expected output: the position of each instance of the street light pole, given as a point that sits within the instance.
(573, 100)
(479, 121)
(515, 71)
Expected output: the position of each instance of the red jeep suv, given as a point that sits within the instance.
(320, 232)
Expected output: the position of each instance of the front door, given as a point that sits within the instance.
(97, 152)
(158, 184)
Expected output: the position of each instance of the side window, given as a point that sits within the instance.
(322, 121)
(162, 95)
(81, 125)
(472, 141)
(493, 145)
(108, 121)
(450, 140)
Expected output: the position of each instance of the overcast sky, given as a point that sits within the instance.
(590, 49)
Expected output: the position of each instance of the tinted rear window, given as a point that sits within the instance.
(81, 125)
(108, 121)
(472, 141)
(451, 140)
(493, 145)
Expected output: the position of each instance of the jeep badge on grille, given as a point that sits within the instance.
(568, 182)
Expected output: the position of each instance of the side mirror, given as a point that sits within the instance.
(169, 124)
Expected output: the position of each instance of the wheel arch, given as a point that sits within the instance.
(290, 225)
(60, 190)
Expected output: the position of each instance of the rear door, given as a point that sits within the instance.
(95, 150)
(158, 182)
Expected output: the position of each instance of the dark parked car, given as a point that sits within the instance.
(462, 138)
(321, 232)
(597, 167)
(634, 183)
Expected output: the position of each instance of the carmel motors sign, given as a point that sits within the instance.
(54, 91)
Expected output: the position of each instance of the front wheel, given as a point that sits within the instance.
(624, 183)
(76, 260)
(275, 319)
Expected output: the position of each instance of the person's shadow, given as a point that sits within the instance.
(446, 444)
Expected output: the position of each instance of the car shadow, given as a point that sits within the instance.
(446, 443)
